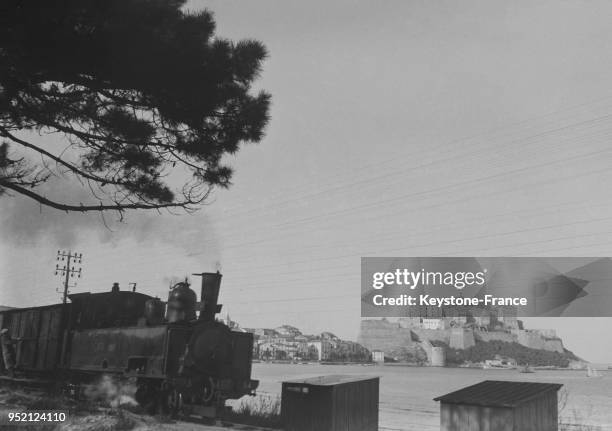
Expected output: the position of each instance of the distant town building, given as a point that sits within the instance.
(323, 349)
(546, 333)
(264, 332)
(508, 317)
(288, 343)
(328, 336)
(410, 322)
(435, 324)
(500, 362)
(461, 338)
(482, 321)
(438, 357)
(378, 356)
(457, 321)
(288, 331)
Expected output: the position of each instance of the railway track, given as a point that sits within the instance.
(224, 424)
(28, 383)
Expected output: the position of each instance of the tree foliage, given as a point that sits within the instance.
(523, 355)
(146, 98)
(347, 351)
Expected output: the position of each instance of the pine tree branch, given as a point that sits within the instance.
(102, 207)
(71, 167)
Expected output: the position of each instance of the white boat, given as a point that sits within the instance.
(592, 372)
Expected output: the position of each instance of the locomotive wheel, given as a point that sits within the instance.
(151, 406)
(174, 403)
(146, 397)
(209, 391)
(141, 395)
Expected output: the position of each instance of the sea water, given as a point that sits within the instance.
(406, 393)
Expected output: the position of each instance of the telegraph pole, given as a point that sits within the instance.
(66, 270)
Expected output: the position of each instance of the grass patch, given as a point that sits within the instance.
(578, 427)
(111, 420)
(30, 427)
(47, 403)
(259, 411)
(574, 419)
(123, 421)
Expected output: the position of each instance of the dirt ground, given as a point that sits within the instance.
(91, 417)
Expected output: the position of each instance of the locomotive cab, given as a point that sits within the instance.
(116, 308)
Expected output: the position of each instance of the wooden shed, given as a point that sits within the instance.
(330, 403)
(501, 406)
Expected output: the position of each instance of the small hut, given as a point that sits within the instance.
(501, 406)
(330, 403)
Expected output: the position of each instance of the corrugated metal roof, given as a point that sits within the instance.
(494, 393)
(331, 380)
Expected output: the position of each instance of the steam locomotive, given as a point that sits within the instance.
(180, 357)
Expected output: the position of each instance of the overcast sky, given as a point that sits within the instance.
(399, 128)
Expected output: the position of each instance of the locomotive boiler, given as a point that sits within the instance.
(179, 356)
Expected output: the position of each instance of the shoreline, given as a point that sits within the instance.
(414, 365)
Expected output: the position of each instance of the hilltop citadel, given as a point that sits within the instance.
(427, 340)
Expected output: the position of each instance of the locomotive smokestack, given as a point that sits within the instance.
(211, 283)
